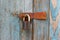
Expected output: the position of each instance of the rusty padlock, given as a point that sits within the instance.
(26, 22)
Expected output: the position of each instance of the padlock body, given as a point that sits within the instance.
(26, 25)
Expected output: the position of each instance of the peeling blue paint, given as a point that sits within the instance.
(55, 11)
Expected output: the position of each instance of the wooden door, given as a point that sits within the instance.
(10, 26)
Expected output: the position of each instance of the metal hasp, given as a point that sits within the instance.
(27, 17)
(36, 15)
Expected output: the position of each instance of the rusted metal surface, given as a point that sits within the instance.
(36, 15)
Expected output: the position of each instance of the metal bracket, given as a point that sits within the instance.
(36, 15)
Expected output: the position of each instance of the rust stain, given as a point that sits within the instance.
(36, 15)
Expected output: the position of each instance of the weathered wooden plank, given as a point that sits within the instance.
(41, 27)
(54, 20)
(9, 24)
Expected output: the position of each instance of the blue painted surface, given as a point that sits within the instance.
(55, 13)
(9, 25)
(54, 35)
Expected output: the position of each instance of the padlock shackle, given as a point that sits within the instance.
(28, 17)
